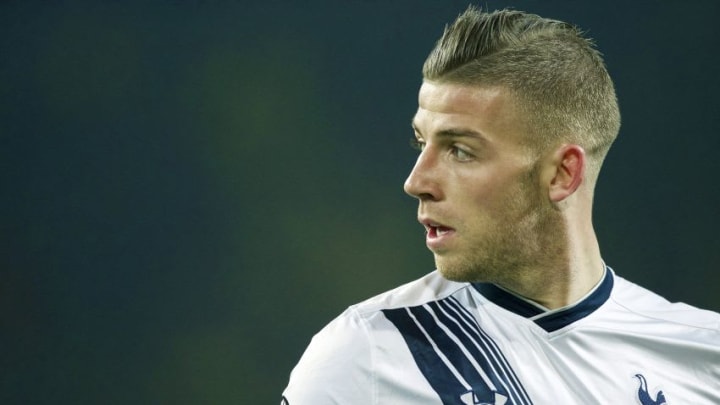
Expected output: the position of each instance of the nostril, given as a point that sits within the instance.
(426, 196)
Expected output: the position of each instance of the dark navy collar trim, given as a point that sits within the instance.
(553, 320)
(507, 300)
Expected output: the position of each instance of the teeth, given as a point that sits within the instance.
(435, 229)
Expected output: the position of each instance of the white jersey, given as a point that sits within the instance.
(435, 341)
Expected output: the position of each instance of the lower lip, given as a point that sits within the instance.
(437, 239)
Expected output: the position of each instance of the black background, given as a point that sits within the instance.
(192, 189)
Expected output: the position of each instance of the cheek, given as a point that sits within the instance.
(492, 193)
(504, 201)
(489, 193)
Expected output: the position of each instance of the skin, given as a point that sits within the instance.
(495, 209)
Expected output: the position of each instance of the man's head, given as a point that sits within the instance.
(555, 75)
(515, 114)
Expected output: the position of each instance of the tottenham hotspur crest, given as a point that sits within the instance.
(644, 394)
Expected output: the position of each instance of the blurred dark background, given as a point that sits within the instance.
(192, 189)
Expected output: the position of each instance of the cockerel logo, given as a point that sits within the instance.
(644, 394)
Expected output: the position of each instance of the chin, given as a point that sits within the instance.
(457, 273)
(468, 269)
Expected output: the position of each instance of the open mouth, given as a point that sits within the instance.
(437, 231)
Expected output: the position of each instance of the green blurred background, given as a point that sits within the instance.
(192, 189)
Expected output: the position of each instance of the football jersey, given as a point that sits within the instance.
(434, 341)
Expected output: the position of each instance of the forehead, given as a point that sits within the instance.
(489, 111)
(458, 98)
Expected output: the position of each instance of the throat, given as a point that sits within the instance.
(559, 289)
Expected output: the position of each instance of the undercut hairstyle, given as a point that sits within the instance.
(555, 75)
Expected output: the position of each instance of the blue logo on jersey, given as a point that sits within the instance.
(644, 395)
(485, 398)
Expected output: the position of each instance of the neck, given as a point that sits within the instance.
(565, 273)
(569, 282)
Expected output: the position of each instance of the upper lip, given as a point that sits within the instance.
(428, 223)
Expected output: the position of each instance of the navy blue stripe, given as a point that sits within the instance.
(484, 359)
(440, 320)
(502, 372)
(451, 350)
(491, 347)
(430, 364)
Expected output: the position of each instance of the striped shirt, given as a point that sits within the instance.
(435, 341)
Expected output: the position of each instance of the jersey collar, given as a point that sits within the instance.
(550, 320)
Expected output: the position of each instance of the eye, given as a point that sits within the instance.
(417, 144)
(460, 154)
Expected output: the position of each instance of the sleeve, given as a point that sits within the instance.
(336, 367)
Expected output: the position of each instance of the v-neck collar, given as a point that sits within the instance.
(550, 320)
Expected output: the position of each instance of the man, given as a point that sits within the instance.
(516, 114)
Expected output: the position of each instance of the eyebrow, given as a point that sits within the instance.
(453, 133)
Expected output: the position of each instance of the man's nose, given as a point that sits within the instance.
(423, 181)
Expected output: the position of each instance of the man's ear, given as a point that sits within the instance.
(569, 171)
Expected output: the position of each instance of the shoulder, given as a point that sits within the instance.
(431, 287)
(649, 305)
(338, 365)
(352, 330)
(334, 367)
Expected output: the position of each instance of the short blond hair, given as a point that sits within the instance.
(555, 74)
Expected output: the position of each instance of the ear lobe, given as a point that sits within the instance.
(569, 162)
